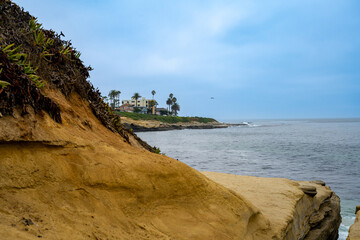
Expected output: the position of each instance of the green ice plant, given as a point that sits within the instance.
(15, 55)
(65, 50)
(34, 25)
(40, 39)
(3, 84)
(157, 150)
(31, 73)
(68, 51)
(77, 54)
(44, 42)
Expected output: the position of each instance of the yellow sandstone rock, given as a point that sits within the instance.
(292, 213)
(354, 231)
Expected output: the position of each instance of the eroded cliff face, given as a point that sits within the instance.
(292, 213)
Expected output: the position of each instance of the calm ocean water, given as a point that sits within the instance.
(326, 149)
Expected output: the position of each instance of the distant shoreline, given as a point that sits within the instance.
(152, 125)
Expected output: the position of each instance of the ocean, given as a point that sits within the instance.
(325, 149)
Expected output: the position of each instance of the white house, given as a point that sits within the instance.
(140, 102)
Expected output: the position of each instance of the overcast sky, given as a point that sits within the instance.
(258, 59)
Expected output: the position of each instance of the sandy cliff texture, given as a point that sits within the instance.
(292, 213)
(354, 231)
(68, 169)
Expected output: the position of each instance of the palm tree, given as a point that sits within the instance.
(175, 107)
(118, 97)
(152, 104)
(169, 102)
(112, 96)
(153, 93)
(136, 97)
(174, 100)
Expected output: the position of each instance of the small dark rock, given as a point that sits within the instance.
(27, 222)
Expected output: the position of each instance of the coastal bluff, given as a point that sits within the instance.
(292, 213)
(69, 169)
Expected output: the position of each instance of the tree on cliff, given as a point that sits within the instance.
(175, 108)
(169, 102)
(136, 97)
(152, 103)
(114, 96)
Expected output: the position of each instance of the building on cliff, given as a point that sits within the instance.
(143, 102)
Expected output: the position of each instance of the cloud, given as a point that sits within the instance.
(157, 64)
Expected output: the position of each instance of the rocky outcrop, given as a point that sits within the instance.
(150, 125)
(293, 212)
(354, 231)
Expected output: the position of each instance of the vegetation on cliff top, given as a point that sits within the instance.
(165, 119)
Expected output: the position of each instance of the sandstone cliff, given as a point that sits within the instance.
(292, 213)
(70, 171)
(354, 231)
